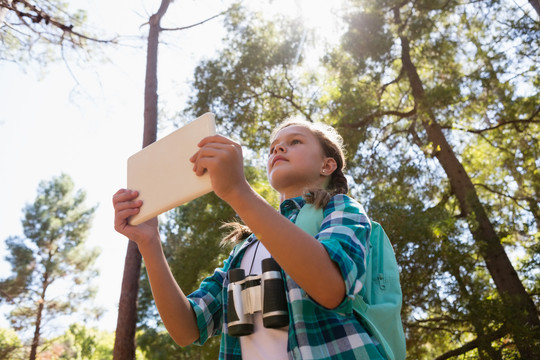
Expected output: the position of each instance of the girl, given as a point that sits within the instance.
(322, 274)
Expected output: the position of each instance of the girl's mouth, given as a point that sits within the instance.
(278, 158)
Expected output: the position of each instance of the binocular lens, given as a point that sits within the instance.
(275, 309)
(240, 324)
(266, 290)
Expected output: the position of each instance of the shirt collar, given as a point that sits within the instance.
(292, 204)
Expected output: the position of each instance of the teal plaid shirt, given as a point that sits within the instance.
(314, 331)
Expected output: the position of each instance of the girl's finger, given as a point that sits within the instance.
(203, 164)
(212, 150)
(208, 147)
(120, 220)
(120, 206)
(215, 139)
(194, 157)
(123, 195)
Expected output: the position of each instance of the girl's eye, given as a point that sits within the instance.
(295, 141)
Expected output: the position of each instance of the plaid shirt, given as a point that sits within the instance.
(314, 331)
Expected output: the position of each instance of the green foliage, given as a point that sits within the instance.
(251, 86)
(82, 343)
(160, 346)
(10, 344)
(477, 63)
(51, 256)
(77, 343)
(475, 86)
(367, 37)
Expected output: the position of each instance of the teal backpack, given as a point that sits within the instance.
(379, 302)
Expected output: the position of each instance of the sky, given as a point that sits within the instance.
(86, 119)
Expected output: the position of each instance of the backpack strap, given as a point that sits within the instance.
(309, 219)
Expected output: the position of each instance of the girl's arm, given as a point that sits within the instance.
(299, 254)
(173, 306)
(302, 256)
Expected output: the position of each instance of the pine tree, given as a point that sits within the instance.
(50, 256)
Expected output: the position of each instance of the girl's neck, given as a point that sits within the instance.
(290, 193)
(284, 196)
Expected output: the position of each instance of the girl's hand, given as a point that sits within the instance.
(125, 206)
(223, 160)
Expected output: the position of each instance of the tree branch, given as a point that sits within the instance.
(399, 77)
(514, 199)
(530, 120)
(425, 323)
(37, 16)
(7, 296)
(367, 119)
(473, 344)
(193, 25)
(290, 101)
(434, 327)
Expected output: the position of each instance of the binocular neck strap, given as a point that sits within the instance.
(254, 256)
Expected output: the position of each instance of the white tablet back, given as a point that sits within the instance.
(162, 172)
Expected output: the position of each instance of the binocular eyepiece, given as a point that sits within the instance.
(248, 295)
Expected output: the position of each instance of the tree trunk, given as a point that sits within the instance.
(37, 328)
(536, 6)
(124, 345)
(522, 316)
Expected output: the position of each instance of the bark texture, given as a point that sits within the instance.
(124, 345)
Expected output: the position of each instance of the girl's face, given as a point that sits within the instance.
(296, 161)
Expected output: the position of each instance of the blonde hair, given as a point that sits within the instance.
(332, 146)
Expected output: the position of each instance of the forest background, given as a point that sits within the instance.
(438, 105)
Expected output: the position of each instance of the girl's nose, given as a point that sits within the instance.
(280, 148)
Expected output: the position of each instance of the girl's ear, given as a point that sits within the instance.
(329, 166)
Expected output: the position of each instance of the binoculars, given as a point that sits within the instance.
(248, 295)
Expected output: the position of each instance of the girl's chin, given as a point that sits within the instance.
(286, 188)
(278, 186)
(278, 179)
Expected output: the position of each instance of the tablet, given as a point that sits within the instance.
(163, 174)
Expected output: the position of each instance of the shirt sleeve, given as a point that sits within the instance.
(207, 303)
(345, 234)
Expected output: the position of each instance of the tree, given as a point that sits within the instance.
(80, 342)
(34, 30)
(10, 344)
(436, 101)
(536, 6)
(127, 313)
(51, 254)
(251, 85)
(427, 95)
(124, 346)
